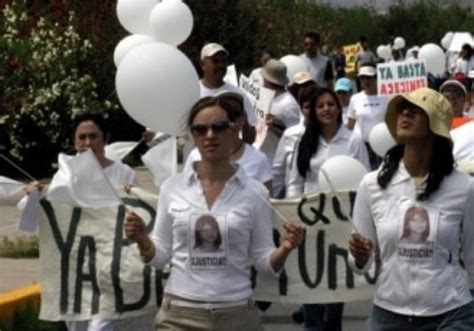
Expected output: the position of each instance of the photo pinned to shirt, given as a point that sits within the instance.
(417, 228)
(208, 241)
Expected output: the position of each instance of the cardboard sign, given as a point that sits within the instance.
(401, 77)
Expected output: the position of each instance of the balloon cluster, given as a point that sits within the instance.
(155, 82)
(385, 51)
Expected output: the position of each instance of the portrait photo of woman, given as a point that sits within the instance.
(416, 226)
(207, 235)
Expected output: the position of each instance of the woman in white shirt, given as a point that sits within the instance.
(254, 162)
(91, 131)
(422, 284)
(212, 290)
(324, 136)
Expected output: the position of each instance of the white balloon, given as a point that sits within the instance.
(134, 15)
(128, 43)
(383, 52)
(157, 85)
(344, 172)
(399, 42)
(294, 65)
(447, 39)
(380, 139)
(434, 57)
(171, 22)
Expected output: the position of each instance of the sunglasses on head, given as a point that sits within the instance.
(216, 127)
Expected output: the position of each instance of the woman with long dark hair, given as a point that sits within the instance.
(211, 290)
(324, 136)
(423, 284)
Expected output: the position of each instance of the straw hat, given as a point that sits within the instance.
(435, 105)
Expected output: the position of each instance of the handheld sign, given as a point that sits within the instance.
(401, 77)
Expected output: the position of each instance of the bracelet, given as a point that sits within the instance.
(147, 252)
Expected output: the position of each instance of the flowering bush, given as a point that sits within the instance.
(42, 81)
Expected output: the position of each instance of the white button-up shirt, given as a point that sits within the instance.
(422, 278)
(245, 231)
(344, 142)
(282, 162)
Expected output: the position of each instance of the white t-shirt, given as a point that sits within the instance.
(242, 237)
(367, 110)
(422, 278)
(317, 66)
(226, 87)
(463, 138)
(344, 142)
(286, 109)
(252, 161)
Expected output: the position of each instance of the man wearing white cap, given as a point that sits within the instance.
(367, 109)
(456, 93)
(214, 60)
(284, 111)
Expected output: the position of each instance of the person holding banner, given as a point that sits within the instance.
(323, 137)
(283, 160)
(91, 131)
(423, 285)
(254, 162)
(212, 290)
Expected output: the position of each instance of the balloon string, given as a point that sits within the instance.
(343, 206)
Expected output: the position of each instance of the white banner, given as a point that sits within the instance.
(261, 98)
(88, 267)
(401, 77)
(318, 270)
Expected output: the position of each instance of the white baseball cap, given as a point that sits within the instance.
(212, 49)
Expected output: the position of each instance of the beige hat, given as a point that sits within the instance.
(211, 49)
(367, 71)
(435, 105)
(274, 71)
(302, 77)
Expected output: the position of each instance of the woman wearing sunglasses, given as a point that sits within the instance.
(254, 162)
(211, 290)
(423, 285)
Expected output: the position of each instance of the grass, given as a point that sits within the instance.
(20, 247)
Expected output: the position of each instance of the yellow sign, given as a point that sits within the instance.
(350, 51)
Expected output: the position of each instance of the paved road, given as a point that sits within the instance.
(18, 273)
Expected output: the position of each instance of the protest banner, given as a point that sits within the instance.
(318, 270)
(350, 51)
(261, 99)
(88, 267)
(401, 77)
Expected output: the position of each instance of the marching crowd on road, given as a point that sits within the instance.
(414, 210)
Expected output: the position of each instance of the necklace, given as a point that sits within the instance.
(237, 148)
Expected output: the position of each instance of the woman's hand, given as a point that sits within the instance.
(293, 237)
(135, 228)
(361, 249)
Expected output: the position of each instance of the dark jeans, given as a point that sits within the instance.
(323, 317)
(459, 319)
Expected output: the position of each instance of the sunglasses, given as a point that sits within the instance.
(410, 108)
(203, 129)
